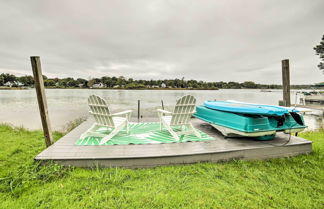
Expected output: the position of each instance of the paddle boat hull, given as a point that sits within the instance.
(260, 126)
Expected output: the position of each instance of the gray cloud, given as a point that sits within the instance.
(156, 39)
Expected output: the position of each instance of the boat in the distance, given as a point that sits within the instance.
(265, 90)
(234, 119)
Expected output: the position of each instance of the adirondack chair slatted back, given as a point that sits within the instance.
(100, 111)
(183, 110)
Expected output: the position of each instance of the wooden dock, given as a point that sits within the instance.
(65, 152)
(315, 98)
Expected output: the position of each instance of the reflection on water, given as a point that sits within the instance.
(19, 107)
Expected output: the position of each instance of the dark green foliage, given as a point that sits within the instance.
(26, 80)
(249, 85)
(124, 83)
(134, 86)
(319, 49)
(5, 77)
(49, 82)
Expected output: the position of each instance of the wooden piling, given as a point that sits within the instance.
(286, 82)
(162, 104)
(138, 110)
(41, 98)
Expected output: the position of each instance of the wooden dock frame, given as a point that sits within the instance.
(65, 152)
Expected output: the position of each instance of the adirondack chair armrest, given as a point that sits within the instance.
(127, 112)
(164, 111)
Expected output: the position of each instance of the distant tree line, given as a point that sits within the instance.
(129, 83)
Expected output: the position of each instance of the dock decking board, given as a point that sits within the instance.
(65, 152)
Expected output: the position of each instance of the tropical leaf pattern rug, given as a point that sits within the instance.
(142, 133)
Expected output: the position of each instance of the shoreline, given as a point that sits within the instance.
(17, 88)
(176, 89)
(14, 88)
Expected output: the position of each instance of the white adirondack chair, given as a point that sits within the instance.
(101, 113)
(180, 116)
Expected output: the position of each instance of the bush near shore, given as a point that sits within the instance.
(295, 182)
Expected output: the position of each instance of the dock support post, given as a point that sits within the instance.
(138, 110)
(162, 104)
(41, 98)
(286, 82)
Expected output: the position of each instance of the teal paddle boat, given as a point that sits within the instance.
(234, 119)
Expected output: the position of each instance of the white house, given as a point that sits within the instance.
(13, 83)
(98, 85)
(163, 85)
(9, 84)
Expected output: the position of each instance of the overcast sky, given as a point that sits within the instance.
(211, 40)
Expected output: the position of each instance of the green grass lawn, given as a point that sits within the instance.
(296, 182)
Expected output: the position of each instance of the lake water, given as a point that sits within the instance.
(19, 107)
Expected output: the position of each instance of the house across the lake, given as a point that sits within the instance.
(98, 85)
(13, 83)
